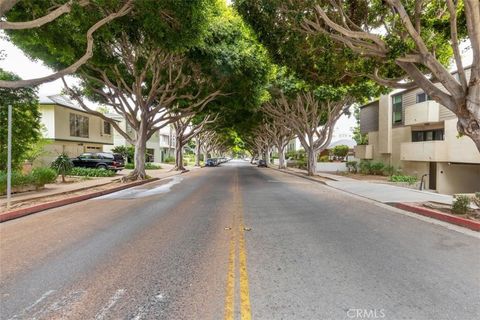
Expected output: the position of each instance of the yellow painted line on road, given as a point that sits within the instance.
(237, 241)
(244, 288)
(230, 292)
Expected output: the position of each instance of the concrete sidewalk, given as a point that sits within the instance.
(379, 191)
(60, 188)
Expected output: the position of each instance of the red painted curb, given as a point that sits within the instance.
(13, 214)
(470, 224)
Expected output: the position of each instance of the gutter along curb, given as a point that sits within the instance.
(434, 214)
(18, 213)
(459, 221)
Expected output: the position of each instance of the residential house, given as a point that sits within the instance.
(160, 146)
(70, 129)
(407, 129)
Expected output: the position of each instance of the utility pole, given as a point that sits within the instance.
(9, 157)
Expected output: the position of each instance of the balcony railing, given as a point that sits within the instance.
(423, 112)
(424, 151)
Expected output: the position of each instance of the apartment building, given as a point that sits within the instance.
(160, 146)
(408, 130)
(70, 129)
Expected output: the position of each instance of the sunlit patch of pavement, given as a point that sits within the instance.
(143, 192)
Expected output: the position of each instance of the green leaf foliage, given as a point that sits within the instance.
(26, 121)
(91, 172)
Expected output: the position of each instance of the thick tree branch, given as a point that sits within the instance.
(72, 68)
(114, 123)
(63, 9)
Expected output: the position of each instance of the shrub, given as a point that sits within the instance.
(376, 168)
(476, 199)
(151, 166)
(169, 159)
(290, 155)
(91, 172)
(341, 151)
(148, 166)
(18, 179)
(37, 177)
(43, 176)
(301, 155)
(128, 153)
(461, 204)
(403, 178)
(364, 167)
(62, 165)
(352, 166)
(324, 158)
(302, 164)
(389, 170)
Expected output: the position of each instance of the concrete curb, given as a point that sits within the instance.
(63, 192)
(299, 175)
(462, 222)
(459, 221)
(14, 214)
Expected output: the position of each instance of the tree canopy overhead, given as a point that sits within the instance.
(397, 43)
(26, 121)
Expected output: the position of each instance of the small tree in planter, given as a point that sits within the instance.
(340, 151)
(63, 165)
(127, 153)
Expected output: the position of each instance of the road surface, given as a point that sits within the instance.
(235, 242)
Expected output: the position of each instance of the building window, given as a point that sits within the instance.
(429, 135)
(107, 128)
(422, 97)
(78, 125)
(397, 109)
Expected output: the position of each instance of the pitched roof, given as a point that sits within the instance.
(65, 101)
(60, 100)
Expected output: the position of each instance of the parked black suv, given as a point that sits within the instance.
(100, 160)
(262, 163)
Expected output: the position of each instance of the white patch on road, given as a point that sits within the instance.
(113, 300)
(30, 307)
(143, 310)
(141, 192)
(60, 307)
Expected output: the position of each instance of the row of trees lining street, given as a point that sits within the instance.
(154, 63)
(253, 76)
(395, 44)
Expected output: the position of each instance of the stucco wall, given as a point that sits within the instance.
(458, 178)
(47, 119)
(460, 149)
(95, 127)
(399, 135)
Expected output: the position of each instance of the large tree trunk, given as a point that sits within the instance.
(267, 155)
(179, 155)
(197, 153)
(311, 162)
(139, 159)
(281, 158)
(205, 156)
(469, 115)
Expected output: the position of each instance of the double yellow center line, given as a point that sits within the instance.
(237, 241)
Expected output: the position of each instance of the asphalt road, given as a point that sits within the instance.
(235, 242)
